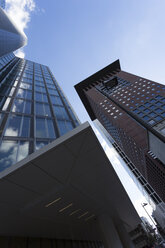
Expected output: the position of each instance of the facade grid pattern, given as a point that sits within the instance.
(33, 110)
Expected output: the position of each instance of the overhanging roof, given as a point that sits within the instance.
(80, 87)
(61, 190)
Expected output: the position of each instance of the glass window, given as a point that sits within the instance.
(8, 153)
(6, 104)
(53, 92)
(49, 81)
(158, 110)
(163, 114)
(12, 91)
(146, 118)
(42, 109)
(26, 94)
(147, 104)
(18, 126)
(27, 80)
(141, 107)
(23, 150)
(60, 113)
(25, 86)
(21, 106)
(158, 103)
(152, 114)
(151, 122)
(40, 89)
(56, 100)
(40, 144)
(158, 97)
(64, 126)
(44, 128)
(152, 107)
(158, 118)
(41, 97)
(11, 152)
(140, 114)
(38, 83)
(51, 86)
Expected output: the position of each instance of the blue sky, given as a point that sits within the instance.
(76, 38)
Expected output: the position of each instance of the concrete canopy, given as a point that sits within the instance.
(61, 190)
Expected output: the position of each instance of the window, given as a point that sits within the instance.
(60, 113)
(41, 97)
(146, 118)
(158, 103)
(40, 144)
(6, 104)
(11, 152)
(158, 118)
(53, 92)
(38, 83)
(140, 114)
(26, 94)
(51, 86)
(21, 106)
(158, 110)
(44, 128)
(152, 114)
(18, 126)
(40, 89)
(141, 107)
(25, 86)
(64, 126)
(147, 104)
(42, 109)
(56, 100)
(151, 122)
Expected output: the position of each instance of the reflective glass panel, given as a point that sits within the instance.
(18, 126)
(22, 93)
(44, 128)
(56, 100)
(42, 109)
(41, 97)
(8, 153)
(21, 106)
(60, 113)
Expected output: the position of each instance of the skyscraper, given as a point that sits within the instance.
(34, 110)
(132, 110)
(48, 188)
(2, 4)
(53, 170)
(10, 37)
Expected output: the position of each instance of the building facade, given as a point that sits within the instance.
(45, 201)
(10, 37)
(2, 4)
(132, 110)
(33, 109)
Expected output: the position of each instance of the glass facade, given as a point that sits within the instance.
(2, 4)
(33, 109)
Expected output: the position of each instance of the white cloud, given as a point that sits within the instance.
(20, 53)
(20, 11)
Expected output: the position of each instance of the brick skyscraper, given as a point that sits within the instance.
(132, 110)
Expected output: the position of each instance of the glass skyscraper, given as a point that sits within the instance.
(34, 110)
(10, 37)
(2, 4)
